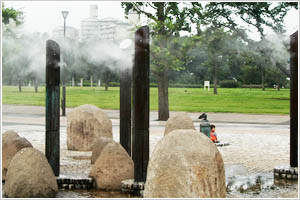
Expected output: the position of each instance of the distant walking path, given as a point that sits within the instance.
(22, 113)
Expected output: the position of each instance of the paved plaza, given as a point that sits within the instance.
(258, 143)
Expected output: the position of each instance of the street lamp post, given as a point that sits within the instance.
(63, 101)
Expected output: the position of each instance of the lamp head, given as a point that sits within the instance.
(64, 14)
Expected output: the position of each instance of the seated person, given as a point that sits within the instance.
(213, 135)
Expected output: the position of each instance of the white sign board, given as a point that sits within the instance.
(206, 84)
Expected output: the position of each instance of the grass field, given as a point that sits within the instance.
(235, 100)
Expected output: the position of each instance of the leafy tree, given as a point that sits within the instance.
(11, 13)
(168, 19)
(166, 23)
(219, 45)
(11, 60)
(250, 75)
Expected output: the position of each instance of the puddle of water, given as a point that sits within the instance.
(92, 194)
(258, 185)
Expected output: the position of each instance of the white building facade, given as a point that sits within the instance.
(71, 32)
(107, 28)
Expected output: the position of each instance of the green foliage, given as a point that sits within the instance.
(253, 86)
(11, 13)
(228, 84)
(256, 14)
(168, 19)
(172, 56)
(250, 74)
(179, 85)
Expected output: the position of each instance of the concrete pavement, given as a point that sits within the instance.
(23, 114)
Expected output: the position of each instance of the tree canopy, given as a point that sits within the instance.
(11, 13)
(169, 19)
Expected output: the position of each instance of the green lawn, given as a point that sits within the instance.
(234, 100)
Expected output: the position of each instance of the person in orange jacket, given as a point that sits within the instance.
(213, 135)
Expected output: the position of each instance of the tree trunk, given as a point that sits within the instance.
(163, 95)
(91, 81)
(215, 80)
(106, 86)
(36, 86)
(162, 76)
(20, 85)
(263, 80)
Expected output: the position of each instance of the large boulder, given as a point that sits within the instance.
(9, 148)
(179, 121)
(29, 175)
(112, 167)
(8, 135)
(86, 123)
(98, 146)
(185, 164)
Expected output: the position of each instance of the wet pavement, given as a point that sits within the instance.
(257, 145)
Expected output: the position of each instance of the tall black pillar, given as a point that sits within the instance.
(52, 104)
(125, 109)
(294, 100)
(140, 123)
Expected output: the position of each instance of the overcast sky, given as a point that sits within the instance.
(44, 16)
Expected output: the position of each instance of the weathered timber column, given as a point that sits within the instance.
(125, 109)
(52, 104)
(140, 123)
(63, 100)
(294, 100)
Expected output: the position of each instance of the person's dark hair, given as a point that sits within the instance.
(212, 126)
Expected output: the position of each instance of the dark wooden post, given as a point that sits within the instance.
(52, 104)
(36, 86)
(294, 100)
(63, 100)
(125, 109)
(140, 123)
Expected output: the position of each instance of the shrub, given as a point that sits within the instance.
(253, 86)
(229, 84)
(179, 85)
(112, 84)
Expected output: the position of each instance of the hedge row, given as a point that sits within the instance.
(253, 86)
(229, 84)
(223, 84)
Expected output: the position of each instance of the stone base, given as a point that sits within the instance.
(286, 173)
(134, 188)
(74, 183)
(221, 144)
